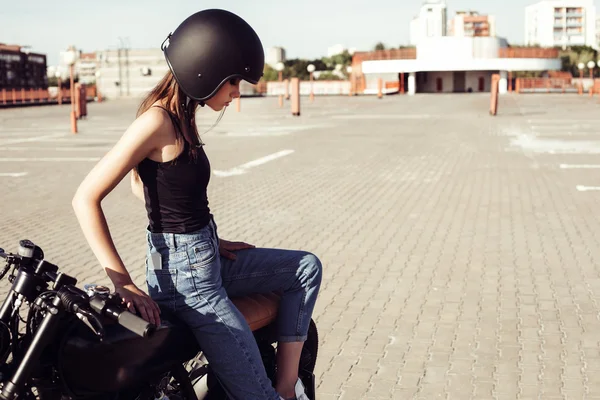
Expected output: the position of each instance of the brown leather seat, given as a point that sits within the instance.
(258, 309)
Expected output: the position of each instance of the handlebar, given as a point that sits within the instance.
(86, 306)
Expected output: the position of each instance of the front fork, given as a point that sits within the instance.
(43, 336)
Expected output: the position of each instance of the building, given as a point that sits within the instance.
(129, 72)
(470, 23)
(561, 23)
(449, 64)
(21, 69)
(274, 55)
(431, 21)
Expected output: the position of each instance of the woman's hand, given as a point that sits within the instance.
(136, 299)
(226, 247)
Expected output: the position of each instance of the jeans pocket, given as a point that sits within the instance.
(203, 253)
(162, 284)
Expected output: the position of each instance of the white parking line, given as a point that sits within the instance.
(13, 174)
(582, 188)
(47, 159)
(244, 167)
(30, 139)
(66, 148)
(580, 166)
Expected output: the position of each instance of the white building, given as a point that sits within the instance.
(431, 21)
(452, 64)
(561, 23)
(274, 55)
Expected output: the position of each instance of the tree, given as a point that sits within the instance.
(577, 54)
(270, 74)
(380, 46)
(329, 76)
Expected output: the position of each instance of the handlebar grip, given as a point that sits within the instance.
(136, 324)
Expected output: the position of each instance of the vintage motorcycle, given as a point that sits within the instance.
(60, 342)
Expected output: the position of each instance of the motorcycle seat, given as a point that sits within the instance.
(259, 310)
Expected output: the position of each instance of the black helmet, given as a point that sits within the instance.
(211, 47)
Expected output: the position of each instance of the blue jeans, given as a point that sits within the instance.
(195, 283)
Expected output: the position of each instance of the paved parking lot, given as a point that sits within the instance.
(460, 251)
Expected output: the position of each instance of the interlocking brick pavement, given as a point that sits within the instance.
(457, 264)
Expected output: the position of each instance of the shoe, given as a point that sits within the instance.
(298, 392)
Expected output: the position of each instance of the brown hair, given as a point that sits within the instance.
(168, 92)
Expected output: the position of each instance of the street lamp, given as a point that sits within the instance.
(311, 68)
(70, 57)
(591, 64)
(279, 68)
(98, 75)
(581, 66)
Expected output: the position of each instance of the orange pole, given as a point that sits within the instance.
(380, 88)
(295, 96)
(510, 82)
(3, 96)
(238, 105)
(494, 96)
(312, 95)
(287, 89)
(280, 96)
(73, 116)
(402, 82)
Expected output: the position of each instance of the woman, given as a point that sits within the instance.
(189, 269)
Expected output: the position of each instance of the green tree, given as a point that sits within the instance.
(270, 74)
(380, 46)
(328, 76)
(574, 55)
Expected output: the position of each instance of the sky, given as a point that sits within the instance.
(305, 28)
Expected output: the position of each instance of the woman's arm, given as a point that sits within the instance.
(142, 137)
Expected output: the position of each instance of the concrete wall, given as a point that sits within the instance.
(371, 81)
(122, 75)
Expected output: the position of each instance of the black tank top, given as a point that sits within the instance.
(175, 191)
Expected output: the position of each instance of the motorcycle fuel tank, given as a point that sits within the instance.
(123, 359)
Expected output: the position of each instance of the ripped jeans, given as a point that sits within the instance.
(195, 282)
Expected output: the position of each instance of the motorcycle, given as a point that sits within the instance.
(58, 341)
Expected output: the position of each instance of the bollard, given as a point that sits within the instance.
(287, 89)
(295, 83)
(83, 99)
(238, 104)
(494, 96)
(402, 91)
(3, 96)
(77, 100)
(380, 88)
